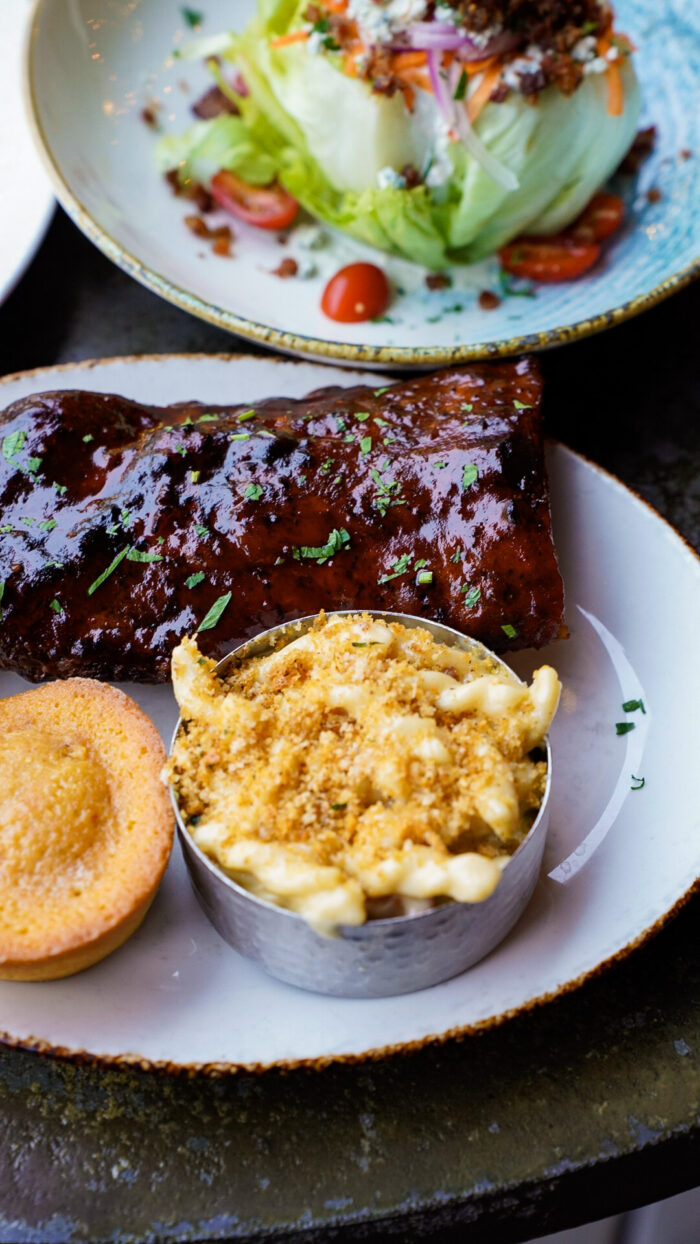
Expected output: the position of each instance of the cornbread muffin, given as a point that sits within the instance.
(361, 761)
(85, 826)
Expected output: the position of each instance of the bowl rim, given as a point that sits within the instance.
(187, 841)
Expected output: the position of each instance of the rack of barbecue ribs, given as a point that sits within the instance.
(125, 526)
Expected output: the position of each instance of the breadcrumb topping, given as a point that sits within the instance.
(361, 760)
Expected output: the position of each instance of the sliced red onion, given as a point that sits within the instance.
(441, 40)
(473, 143)
(441, 89)
(504, 42)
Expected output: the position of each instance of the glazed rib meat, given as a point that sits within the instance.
(124, 526)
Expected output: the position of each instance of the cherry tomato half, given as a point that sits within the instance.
(268, 207)
(601, 218)
(559, 258)
(358, 292)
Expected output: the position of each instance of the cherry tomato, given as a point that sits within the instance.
(358, 292)
(558, 258)
(601, 218)
(268, 207)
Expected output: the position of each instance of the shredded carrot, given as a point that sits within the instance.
(480, 96)
(616, 91)
(418, 77)
(350, 65)
(407, 60)
(473, 67)
(409, 96)
(296, 36)
(335, 6)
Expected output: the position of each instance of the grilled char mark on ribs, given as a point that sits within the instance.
(123, 524)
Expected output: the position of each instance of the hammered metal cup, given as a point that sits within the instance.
(381, 957)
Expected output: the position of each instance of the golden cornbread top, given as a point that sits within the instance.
(85, 826)
(55, 808)
(361, 759)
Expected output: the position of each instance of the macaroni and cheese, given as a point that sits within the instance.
(360, 760)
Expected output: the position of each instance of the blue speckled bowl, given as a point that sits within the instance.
(93, 65)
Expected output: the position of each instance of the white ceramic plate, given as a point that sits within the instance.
(94, 64)
(26, 198)
(177, 994)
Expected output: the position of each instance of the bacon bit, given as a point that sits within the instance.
(173, 181)
(149, 116)
(221, 237)
(411, 176)
(641, 147)
(488, 301)
(482, 94)
(409, 96)
(654, 195)
(386, 84)
(214, 104)
(295, 36)
(685, 153)
(288, 267)
(438, 280)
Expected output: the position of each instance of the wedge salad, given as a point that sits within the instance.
(438, 132)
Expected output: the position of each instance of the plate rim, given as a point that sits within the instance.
(221, 1069)
(296, 343)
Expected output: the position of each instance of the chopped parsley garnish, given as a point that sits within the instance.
(2, 593)
(135, 555)
(361, 415)
(365, 643)
(388, 492)
(589, 28)
(326, 466)
(509, 630)
(253, 492)
(26, 519)
(60, 488)
(623, 727)
(456, 557)
(180, 449)
(471, 596)
(194, 477)
(7, 527)
(439, 466)
(338, 539)
(106, 573)
(632, 706)
(340, 424)
(193, 17)
(400, 567)
(194, 579)
(348, 438)
(12, 444)
(522, 405)
(425, 578)
(240, 436)
(88, 438)
(247, 414)
(470, 475)
(468, 406)
(378, 392)
(641, 783)
(338, 807)
(461, 86)
(47, 524)
(201, 531)
(420, 564)
(214, 613)
(365, 445)
(509, 290)
(33, 465)
(381, 423)
(56, 606)
(208, 418)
